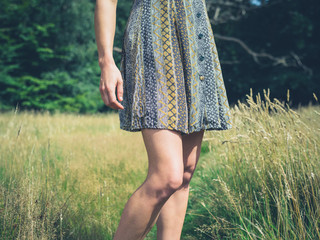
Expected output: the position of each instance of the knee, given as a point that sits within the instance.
(172, 184)
(162, 187)
(188, 173)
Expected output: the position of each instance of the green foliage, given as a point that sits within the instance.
(48, 56)
(40, 38)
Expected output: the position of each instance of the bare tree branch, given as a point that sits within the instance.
(286, 61)
(226, 11)
(296, 57)
(116, 49)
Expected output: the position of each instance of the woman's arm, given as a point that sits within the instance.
(105, 24)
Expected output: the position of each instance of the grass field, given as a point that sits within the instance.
(66, 176)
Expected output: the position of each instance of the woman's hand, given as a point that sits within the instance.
(110, 80)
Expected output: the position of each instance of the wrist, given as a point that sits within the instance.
(105, 61)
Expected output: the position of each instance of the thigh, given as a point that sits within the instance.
(191, 149)
(165, 152)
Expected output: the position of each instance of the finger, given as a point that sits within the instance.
(120, 90)
(115, 104)
(103, 92)
(105, 95)
(112, 99)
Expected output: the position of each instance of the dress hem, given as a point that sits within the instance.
(138, 129)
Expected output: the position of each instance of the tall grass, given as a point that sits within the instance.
(69, 176)
(260, 180)
(65, 176)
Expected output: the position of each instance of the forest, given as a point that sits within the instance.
(49, 59)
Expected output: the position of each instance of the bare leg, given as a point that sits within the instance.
(172, 214)
(165, 176)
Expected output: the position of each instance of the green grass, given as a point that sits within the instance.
(261, 179)
(66, 176)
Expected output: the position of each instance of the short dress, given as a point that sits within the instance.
(170, 68)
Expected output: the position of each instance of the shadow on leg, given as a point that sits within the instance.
(165, 176)
(171, 218)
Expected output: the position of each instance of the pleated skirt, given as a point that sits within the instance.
(170, 67)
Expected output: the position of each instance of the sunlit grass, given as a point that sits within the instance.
(79, 169)
(260, 179)
(68, 176)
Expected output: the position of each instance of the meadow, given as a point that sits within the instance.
(68, 176)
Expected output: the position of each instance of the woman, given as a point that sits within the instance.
(169, 87)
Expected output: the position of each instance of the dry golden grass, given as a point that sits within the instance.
(69, 176)
(82, 156)
(261, 178)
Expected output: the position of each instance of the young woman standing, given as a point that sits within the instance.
(169, 87)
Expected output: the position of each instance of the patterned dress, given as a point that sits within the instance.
(171, 73)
